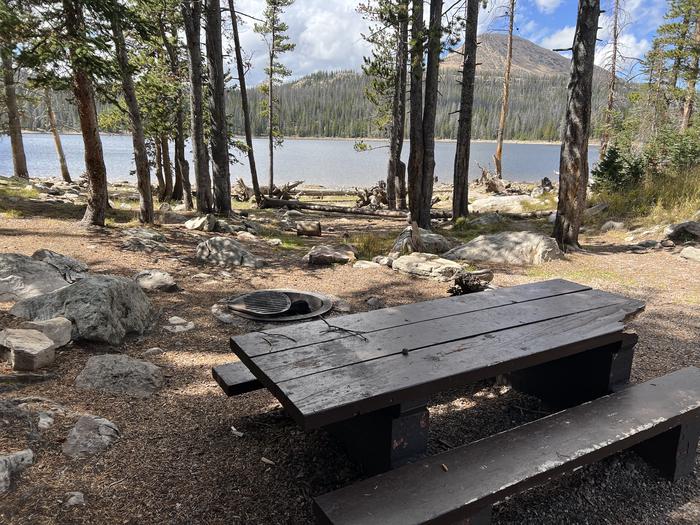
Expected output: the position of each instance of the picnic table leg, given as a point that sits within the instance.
(673, 452)
(385, 439)
(581, 377)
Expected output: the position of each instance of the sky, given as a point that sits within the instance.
(327, 33)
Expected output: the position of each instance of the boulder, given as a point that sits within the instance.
(136, 244)
(595, 210)
(324, 255)
(22, 277)
(12, 464)
(144, 233)
(502, 203)
(487, 219)
(309, 228)
(226, 252)
(70, 269)
(120, 374)
(156, 280)
(364, 265)
(206, 223)
(102, 308)
(274, 242)
(431, 243)
(246, 236)
(58, 329)
(612, 226)
(383, 260)
(170, 217)
(684, 231)
(426, 265)
(510, 248)
(27, 350)
(691, 253)
(90, 435)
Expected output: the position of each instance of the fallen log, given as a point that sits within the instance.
(299, 205)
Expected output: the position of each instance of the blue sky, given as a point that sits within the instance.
(327, 32)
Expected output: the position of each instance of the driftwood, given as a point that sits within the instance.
(373, 197)
(469, 282)
(299, 205)
(243, 193)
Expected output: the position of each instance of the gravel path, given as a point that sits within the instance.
(178, 461)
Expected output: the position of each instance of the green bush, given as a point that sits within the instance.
(617, 173)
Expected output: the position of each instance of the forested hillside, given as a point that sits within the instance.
(333, 104)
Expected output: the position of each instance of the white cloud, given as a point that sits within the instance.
(547, 6)
(561, 39)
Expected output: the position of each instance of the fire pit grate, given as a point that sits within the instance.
(279, 305)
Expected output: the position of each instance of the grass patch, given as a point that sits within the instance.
(21, 192)
(669, 198)
(369, 245)
(11, 213)
(465, 231)
(580, 275)
(545, 202)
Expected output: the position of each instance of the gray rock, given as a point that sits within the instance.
(144, 233)
(226, 252)
(170, 217)
(487, 219)
(274, 242)
(136, 244)
(649, 243)
(612, 226)
(101, 307)
(431, 242)
(153, 351)
(120, 374)
(502, 203)
(691, 253)
(246, 236)
(552, 217)
(27, 350)
(374, 302)
(74, 498)
(340, 305)
(426, 265)
(156, 280)
(222, 313)
(364, 265)
(180, 327)
(58, 329)
(11, 465)
(383, 260)
(45, 421)
(324, 255)
(684, 231)
(22, 277)
(90, 435)
(595, 210)
(206, 223)
(667, 243)
(510, 248)
(70, 269)
(308, 228)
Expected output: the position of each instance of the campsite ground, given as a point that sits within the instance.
(177, 460)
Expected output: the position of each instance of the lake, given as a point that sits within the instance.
(333, 163)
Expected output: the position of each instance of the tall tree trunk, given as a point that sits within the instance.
(19, 160)
(396, 176)
(159, 169)
(143, 171)
(245, 107)
(680, 50)
(270, 118)
(182, 189)
(415, 156)
(191, 14)
(430, 111)
(498, 156)
(690, 93)
(56, 136)
(460, 188)
(573, 163)
(612, 83)
(97, 201)
(167, 167)
(217, 109)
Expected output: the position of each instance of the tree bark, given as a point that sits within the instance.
(498, 156)
(97, 201)
(19, 160)
(395, 181)
(573, 163)
(143, 171)
(159, 169)
(56, 137)
(167, 168)
(191, 14)
(429, 111)
(217, 109)
(415, 156)
(612, 83)
(690, 93)
(245, 107)
(460, 188)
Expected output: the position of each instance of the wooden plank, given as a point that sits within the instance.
(457, 483)
(341, 393)
(278, 339)
(312, 359)
(235, 378)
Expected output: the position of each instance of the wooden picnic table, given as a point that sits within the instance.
(367, 377)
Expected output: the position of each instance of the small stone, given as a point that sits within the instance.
(309, 228)
(136, 244)
(374, 302)
(274, 242)
(144, 233)
(180, 328)
(324, 255)
(153, 351)
(225, 251)
(177, 320)
(691, 253)
(90, 435)
(58, 329)
(383, 260)
(205, 223)
(12, 464)
(340, 305)
(156, 280)
(27, 350)
(364, 265)
(120, 374)
(45, 421)
(612, 226)
(668, 243)
(246, 236)
(74, 498)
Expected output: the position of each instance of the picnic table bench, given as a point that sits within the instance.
(367, 378)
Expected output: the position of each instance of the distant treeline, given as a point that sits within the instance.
(333, 104)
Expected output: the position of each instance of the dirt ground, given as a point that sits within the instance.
(177, 460)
